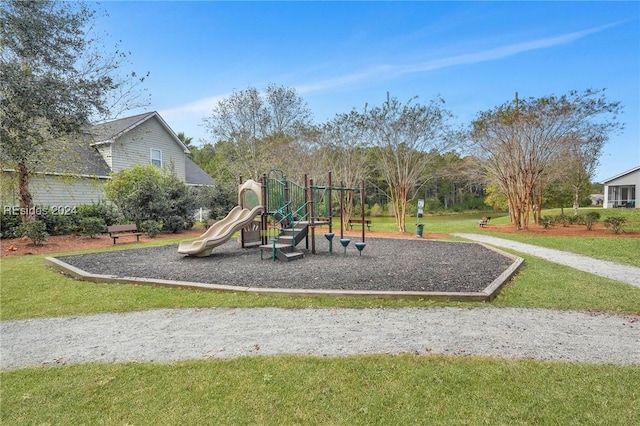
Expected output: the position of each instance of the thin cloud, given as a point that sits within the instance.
(204, 106)
(393, 71)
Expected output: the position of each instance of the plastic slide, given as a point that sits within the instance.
(220, 232)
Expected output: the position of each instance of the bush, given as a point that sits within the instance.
(547, 221)
(614, 223)
(472, 204)
(590, 219)
(151, 228)
(36, 231)
(376, 210)
(432, 205)
(92, 226)
(219, 200)
(147, 193)
(56, 223)
(107, 212)
(174, 224)
(9, 224)
(566, 220)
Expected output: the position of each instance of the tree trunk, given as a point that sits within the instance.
(576, 200)
(27, 212)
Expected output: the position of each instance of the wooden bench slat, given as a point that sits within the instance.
(117, 231)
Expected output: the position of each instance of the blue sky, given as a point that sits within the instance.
(343, 55)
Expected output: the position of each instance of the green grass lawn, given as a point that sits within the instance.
(360, 390)
(380, 389)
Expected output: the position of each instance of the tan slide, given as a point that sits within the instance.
(220, 232)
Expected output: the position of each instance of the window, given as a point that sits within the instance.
(156, 157)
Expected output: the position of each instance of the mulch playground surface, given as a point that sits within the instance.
(385, 264)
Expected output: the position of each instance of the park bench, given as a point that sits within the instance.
(117, 231)
(484, 221)
(359, 222)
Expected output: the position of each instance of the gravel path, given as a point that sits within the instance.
(623, 273)
(176, 334)
(170, 335)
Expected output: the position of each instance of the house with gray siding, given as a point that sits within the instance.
(621, 190)
(107, 148)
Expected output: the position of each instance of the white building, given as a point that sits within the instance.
(620, 190)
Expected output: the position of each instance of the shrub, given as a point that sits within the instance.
(562, 219)
(92, 226)
(547, 221)
(56, 223)
(377, 210)
(174, 224)
(219, 200)
(432, 204)
(590, 219)
(614, 223)
(9, 224)
(36, 231)
(151, 228)
(147, 193)
(107, 212)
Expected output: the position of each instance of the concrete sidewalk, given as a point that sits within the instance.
(615, 271)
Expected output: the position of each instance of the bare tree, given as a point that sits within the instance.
(260, 130)
(520, 139)
(54, 80)
(343, 151)
(581, 162)
(407, 138)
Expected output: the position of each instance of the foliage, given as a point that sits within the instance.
(259, 131)
(614, 223)
(9, 224)
(62, 222)
(342, 144)
(57, 222)
(151, 228)
(218, 199)
(174, 224)
(590, 219)
(407, 138)
(181, 203)
(36, 231)
(92, 226)
(145, 192)
(556, 192)
(54, 78)
(376, 210)
(547, 221)
(456, 181)
(520, 140)
(566, 220)
(103, 210)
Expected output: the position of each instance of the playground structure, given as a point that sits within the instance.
(276, 215)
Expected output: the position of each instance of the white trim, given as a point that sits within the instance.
(62, 174)
(141, 121)
(151, 159)
(621, 174)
